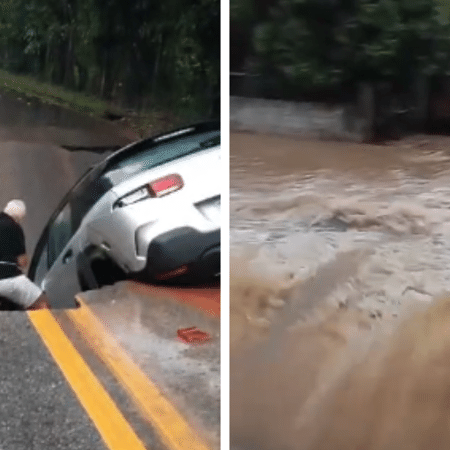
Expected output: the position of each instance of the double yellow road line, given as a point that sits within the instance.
(106, 416)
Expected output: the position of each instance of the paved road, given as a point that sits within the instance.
(39, 411)
(144, 320)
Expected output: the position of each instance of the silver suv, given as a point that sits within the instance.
(149, 211)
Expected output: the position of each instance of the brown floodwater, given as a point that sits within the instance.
(340, 261)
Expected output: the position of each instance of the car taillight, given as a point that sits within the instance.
(165, 185)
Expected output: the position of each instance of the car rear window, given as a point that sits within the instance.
(160, 154)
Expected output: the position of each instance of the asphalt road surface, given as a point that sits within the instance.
(39, 410)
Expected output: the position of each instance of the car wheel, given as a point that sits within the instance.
(86, 276)
(101, 270)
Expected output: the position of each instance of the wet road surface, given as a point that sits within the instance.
(334, 247)
(38, 410)
(144, 320)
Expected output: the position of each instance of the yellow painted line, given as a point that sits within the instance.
(112, 426)
(171, 426)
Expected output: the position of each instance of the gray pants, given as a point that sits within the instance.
(20, 290)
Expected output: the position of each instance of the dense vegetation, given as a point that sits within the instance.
(307, 45)
(137, 54)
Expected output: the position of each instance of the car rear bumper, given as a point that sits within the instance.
(184, 251)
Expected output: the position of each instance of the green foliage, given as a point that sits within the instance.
(132, 53)
(443, 8)
(323, 43)
(242, 11)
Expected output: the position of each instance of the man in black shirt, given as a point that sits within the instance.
(14, 285)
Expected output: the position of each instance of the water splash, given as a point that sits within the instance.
(327, 262)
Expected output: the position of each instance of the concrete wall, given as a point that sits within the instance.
(378, 113)
(309, 120)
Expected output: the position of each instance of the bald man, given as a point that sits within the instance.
(15, 286)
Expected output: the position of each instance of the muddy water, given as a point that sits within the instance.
(338, 254)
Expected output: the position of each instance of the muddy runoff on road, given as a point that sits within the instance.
(340, 322)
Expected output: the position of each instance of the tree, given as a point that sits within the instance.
(318, 44)
(134, 53)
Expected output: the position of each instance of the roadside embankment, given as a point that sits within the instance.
(32, 121)
(36, 94)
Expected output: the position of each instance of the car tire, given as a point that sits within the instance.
(86, 276)
(99, 269)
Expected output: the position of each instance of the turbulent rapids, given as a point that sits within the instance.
(340, 265)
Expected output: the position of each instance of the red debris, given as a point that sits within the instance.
(193, 335)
